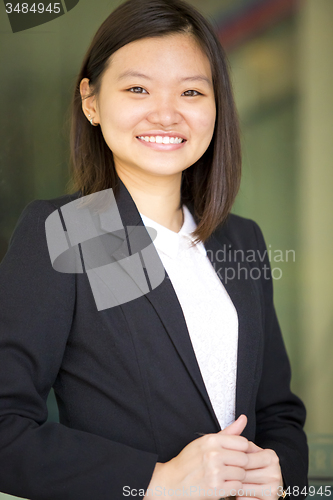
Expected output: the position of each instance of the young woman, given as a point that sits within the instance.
(184, 389)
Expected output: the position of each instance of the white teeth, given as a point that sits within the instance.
(161, 140)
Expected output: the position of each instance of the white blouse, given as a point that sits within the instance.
(210, 315)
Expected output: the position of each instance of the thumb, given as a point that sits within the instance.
(237, 427)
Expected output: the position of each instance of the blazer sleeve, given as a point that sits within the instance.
(41, 460)
(280, 414)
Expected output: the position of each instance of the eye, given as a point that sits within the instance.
(137, 90)
(191, 93)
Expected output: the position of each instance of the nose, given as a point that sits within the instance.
(164, 111)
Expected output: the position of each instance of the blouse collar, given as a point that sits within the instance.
(170, 242)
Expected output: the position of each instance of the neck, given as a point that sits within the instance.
(157, 198)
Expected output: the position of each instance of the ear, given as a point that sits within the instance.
(89, 104)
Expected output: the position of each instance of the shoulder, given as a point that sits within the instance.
(31, 222)
(241, 232)
(40, 208)
(44, 205)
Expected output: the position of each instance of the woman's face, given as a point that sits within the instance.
(155, 93)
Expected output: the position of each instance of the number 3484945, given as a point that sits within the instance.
(35, 8)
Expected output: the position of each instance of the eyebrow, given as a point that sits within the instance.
(131, 73)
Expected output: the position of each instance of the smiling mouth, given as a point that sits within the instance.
(158, 139)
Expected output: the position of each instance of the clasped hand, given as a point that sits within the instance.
(219, 465)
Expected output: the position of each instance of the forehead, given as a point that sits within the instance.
(171, 55)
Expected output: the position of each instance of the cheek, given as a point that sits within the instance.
(119, 116)
(204, 121)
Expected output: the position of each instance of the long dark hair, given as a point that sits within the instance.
(211, 183)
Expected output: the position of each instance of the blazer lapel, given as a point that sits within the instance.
(241, 291)
(163, 299)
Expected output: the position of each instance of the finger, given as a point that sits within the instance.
(267, 478)
(233, 473)
(238, 443)
(258, 460)
(236, 458)
(245, 498)
(237, 427)
(231, 488)
(250, 492)
(240, 497)
(261, 491)
(253, 448)
(257, 476)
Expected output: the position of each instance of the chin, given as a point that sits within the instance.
(157, 167)
(164, 171)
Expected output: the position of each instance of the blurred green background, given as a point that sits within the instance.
(281, 55)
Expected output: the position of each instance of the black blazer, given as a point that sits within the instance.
(126, 379)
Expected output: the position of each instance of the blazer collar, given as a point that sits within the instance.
(241, 291)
